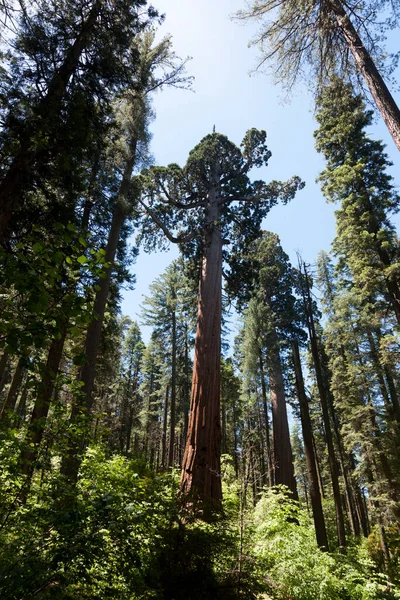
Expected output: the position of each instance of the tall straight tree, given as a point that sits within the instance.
(315, 495)
(356, 176)
(158, 66)
(324, 392)
(325, 36)
(203, 206)
(162, 309)
(266, 277)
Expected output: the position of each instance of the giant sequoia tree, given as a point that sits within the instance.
(328, 37)
(205, 206)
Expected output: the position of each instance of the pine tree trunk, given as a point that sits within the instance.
(380, 374)
(3, 370)
(283, 458)
(172, 416)
(316, 503)
(13, 392)
(82, 407)
(12, 185)
(164, 433)
(201, 472)
(323, 396)
(266, 420)
(317, 464)
(379, 91)
(41, 410)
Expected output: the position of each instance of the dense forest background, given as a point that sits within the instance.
(199, 460)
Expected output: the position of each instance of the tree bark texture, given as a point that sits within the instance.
(13, 392)
(164, 431)
(383, 99)
(283, 458)
(201, 472)
(323, 396)
(316, 503)
(172, 415)
(266, 420)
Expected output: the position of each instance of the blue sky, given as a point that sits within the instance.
(225, 95)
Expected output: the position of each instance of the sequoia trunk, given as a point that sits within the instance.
(201, 476)
(283, 458)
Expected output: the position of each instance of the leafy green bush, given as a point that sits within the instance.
(293, 568)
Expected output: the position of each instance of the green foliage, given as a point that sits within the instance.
(292, 567)
(120, 536)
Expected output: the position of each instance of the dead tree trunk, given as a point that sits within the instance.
(266, 419)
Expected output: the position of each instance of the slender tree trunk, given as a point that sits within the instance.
(235, 441)
(317, 464)
(3, 370)
(13, 392)
(21, 408)
(380, 374)
(391, 385)
(12, 185)
(262, 446)
(201, 471)
(129, 428)
(379, 91)
(41, 410)
(164, 432)
(283, 458)
(323, 395)
(172, 415)
(186, 403)
(316, 503)
(266, 420)
(224, 446)
(83, 406)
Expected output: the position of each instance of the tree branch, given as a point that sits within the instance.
(182, 239)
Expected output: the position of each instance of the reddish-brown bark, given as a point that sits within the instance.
(201, 475)
(384, 100)
(283, 458)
